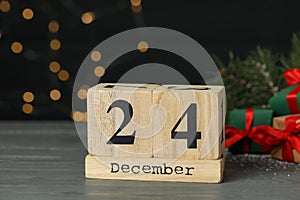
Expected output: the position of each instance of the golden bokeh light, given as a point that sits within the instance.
(78, 116)
(28, 97)
(99, 71)
(54, 66)
(135, 2)
(136, 9)
(96, 56)
(55, 95)
(88, 17)
(53, 26)
(16, 47)
(55, 44)
(27, 14)
(63, 75)
(27, 108)
(143, 46)
(82, 94)
(4, 6)
(0, 35)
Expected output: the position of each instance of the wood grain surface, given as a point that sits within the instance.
(45, 160)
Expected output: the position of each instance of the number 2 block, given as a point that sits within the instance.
(118, 120)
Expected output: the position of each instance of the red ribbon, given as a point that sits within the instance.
(292, 77)
(256, 134)
(288, 138)
(267, 137)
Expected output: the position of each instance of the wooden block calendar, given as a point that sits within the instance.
(156, 132)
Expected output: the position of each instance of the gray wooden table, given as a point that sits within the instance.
(45, 160)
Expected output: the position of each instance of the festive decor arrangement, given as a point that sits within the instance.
(251, 82)
(269, 84)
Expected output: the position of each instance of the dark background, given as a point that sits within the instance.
(219, 26)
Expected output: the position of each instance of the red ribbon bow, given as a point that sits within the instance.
(256, 134)
(292, 77)
(288, 138)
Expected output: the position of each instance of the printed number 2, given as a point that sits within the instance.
(127, 111)
(191, 134)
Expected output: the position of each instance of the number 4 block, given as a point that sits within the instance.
(136, 124)
(193, 128)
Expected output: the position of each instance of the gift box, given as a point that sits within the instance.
(288, 140)
(287, 101)
(241, 136)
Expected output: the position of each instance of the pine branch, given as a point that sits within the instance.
(253, 81)
(293, 60)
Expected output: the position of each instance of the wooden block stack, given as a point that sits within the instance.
(156, 132)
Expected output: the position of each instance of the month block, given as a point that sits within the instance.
(155, 169)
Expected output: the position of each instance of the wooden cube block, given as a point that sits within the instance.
(154, 169)
(119, 123)
(193, 122)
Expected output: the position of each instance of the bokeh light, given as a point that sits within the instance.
(16, 47)
(53, 26)
(82, 94)
(63, 75)
(54, 66)
(78, 116)
(27, 14)
(55, 44)
(143, 46)
(88, 17)
(99, 71)
(4, 6)
(27, 108)
(28, 97)
(55, 95)
(96, 56)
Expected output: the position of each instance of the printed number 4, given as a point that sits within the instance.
(191, 134)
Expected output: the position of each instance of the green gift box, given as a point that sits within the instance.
(286, 101)
(237, 119)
